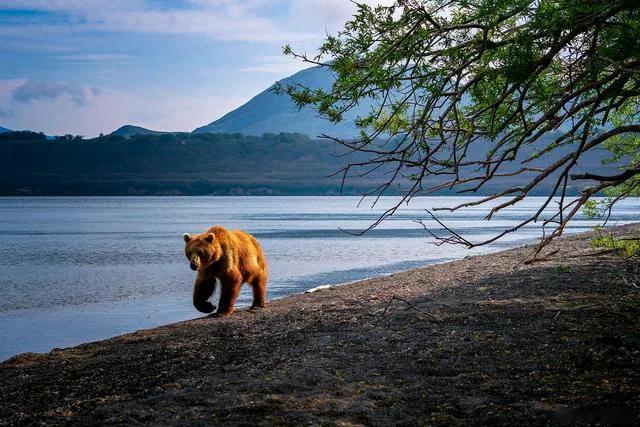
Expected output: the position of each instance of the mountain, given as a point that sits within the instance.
(269, 112)
(127, 131)
(2, 130)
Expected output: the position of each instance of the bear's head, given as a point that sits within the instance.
(201, 250)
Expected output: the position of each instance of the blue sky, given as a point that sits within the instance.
(90, 66)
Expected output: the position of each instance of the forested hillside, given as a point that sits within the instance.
(191, 164)
(172, 164)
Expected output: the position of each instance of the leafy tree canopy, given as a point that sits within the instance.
(453, 78)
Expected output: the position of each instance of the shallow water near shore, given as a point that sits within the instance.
(80, 269)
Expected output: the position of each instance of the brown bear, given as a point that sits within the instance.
(231, 256)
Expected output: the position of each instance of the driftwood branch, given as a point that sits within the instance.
(410, 306)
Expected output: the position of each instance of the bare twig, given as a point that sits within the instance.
(410, 305)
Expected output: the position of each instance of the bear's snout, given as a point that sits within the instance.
(194, 265)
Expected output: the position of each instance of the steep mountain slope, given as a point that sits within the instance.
(127, 131)
(2, 130)
(269, 112)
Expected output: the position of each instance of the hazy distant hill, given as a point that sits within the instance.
(2, 130)
(272, 113)
(127, 131)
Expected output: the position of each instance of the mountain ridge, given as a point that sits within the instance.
(269, 112)
(127, 131)
(272, 113)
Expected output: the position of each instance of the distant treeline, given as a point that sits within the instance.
(168, 164)
(192, 164)
(24, 135)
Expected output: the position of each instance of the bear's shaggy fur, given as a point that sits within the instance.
(231, 256)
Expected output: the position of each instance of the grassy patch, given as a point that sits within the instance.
(628, 247)
(563, 269)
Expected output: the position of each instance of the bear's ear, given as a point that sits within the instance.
(209, 238)
(186, 237)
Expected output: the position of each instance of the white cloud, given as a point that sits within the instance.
(220, 20)
(290, 21)
(321, 15)
(282, 65)
(34, 91)
(96, 57)
(217, 25)
(105, 110)
(71, 5)
(229, 20)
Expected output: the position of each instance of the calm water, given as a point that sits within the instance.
(74, 270)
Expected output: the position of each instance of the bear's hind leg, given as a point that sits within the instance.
(259, 285)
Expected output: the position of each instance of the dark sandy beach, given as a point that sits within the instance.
(475, 341)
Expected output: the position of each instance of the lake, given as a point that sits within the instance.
(79, 269)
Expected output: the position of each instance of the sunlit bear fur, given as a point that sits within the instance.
(231, 256)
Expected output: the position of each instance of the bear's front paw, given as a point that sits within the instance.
(204, 307)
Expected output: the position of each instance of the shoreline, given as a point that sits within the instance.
(466, 341)
(132, 303)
